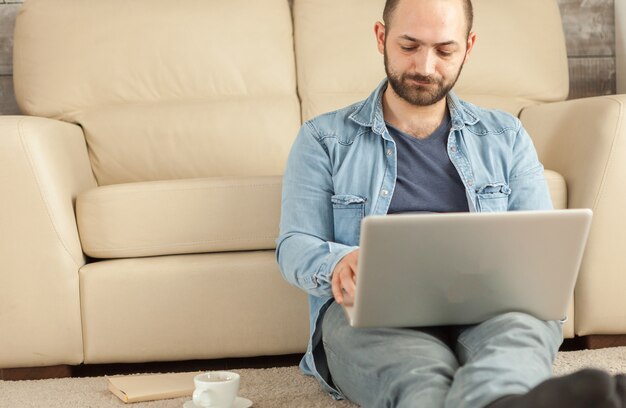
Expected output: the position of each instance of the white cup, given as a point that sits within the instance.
(215, 389)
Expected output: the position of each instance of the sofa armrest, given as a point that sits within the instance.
(43, 166)
(585, 141)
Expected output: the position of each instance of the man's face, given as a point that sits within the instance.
(425, 48)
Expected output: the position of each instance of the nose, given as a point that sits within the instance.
(425, 61)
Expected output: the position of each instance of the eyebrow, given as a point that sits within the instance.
(415, 40)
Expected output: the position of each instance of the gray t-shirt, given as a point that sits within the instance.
(427, 180)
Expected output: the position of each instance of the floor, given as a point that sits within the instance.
(95, 370)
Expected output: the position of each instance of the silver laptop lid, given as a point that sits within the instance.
(463, 268)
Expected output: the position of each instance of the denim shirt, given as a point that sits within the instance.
(342, 167)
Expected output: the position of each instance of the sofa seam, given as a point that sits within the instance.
(99, 190)
(72, 116)
(609, 160)
(42, 194)
(183, 244)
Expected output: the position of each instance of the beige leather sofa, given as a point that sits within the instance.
(141, 188)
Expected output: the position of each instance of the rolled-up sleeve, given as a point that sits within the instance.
(305, 248)
(529, 189)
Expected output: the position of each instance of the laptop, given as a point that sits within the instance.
(417, 270)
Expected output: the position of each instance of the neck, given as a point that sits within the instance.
(418, 121)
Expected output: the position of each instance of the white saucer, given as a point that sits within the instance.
(240, 402)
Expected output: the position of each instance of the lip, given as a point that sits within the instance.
(421, 83)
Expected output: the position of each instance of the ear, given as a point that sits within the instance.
(471, 40)
(379, 30)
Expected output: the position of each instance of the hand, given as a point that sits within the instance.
(344, 278)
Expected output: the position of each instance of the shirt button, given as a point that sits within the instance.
(453, 149)
(389, 152)
(384, 193)
(470, 183)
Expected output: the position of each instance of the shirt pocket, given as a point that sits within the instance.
(493, 197)
(348, 211)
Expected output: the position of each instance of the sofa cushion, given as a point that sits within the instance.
(190, 307)
(522, 58)
(159, 93)
(194, 216)
(179, 217)
(558, 189)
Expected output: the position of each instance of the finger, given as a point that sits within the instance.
(336, 287)
(348, 281)
(353, 264)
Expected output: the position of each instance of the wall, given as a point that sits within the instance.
(590, 35)
(8, 11)
(620, 45)
(589, 29)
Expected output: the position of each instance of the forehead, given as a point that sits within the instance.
(429, 20)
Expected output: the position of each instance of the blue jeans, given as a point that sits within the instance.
(452, 367)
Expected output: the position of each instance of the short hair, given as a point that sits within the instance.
(391, 5)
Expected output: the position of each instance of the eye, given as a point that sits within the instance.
(444, 53)
(407, 48)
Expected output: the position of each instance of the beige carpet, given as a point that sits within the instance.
(273, 387)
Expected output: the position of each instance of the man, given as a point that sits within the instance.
(414, 146)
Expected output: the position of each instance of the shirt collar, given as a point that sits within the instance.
(370, 112)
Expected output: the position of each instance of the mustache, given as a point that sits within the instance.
(421, 78)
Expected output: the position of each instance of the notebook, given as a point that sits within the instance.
(149, 387)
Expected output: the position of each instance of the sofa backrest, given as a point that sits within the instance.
(164, 89)
(203, 88)
(519, 58)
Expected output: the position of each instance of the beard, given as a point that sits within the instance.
(419, 95)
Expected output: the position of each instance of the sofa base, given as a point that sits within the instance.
(599, 341)
(35, 373)
(97, 370)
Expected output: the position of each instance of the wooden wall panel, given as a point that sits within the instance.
(589, 27)
(8, 12)
(8, 105)
(620, 45)
(591, 76)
